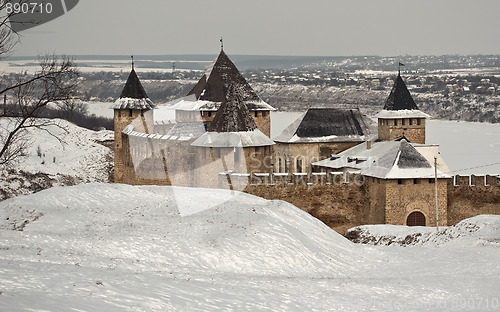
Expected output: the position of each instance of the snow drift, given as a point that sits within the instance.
(483, 230)
(141, 228)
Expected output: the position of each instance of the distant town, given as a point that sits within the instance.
(450, 87)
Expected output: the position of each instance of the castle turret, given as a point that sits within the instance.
(209, 93)
(401, 116)
(132, 107)
(233, 141)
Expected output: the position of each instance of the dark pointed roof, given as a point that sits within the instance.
(233, 126)
(233, 114)
(223, 72)
(328, 125)
(400, 98)
(133, 88)
(133, 95)
(409, 157)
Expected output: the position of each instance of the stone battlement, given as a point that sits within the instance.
(288, 179)
(476, 180)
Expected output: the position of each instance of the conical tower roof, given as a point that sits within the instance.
(212, 85)
(232, 115)
(400, 98)
(133, 95)
(233, 126)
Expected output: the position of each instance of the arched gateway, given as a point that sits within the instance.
(416, 218)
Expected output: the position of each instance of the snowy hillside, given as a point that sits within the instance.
(78, 157)
(109, 247)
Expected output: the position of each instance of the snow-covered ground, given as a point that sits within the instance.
(481, 230)
(109, 247)
(60, 154)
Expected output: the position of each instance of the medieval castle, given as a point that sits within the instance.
(337, 164)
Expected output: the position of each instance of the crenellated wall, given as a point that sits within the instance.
(473, 195)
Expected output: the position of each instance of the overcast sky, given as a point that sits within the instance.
(271, 27)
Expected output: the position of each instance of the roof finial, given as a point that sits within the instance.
(221, 44)
(399, 68)
(132, 61)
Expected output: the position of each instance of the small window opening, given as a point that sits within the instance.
(299, 165)
(237, 155)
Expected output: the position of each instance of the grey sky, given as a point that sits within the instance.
(271, 27)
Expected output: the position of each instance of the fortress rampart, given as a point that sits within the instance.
(340, 200)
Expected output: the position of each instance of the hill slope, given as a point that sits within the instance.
(61, 154)
(110, 247)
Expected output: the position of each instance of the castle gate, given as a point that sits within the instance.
(415, 218)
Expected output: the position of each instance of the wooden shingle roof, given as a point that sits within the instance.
(400, 98)
(133, 95)
(328, 125)
(233, 126)
(232, 115)
(212, 85)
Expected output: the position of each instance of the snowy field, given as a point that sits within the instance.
(92, 66)
(107, 247)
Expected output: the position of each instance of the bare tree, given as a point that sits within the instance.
(55, 81)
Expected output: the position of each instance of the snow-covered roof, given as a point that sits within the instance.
(189, 129)
(233, 139)
(329, 125)
(404, 113)
(131, 103)
(191, 104)
(130, 130)
(384, 160)
(133, 95)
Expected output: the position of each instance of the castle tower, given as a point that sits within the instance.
(132, 107)
(232, 142)
(210, 93)
(401, 116)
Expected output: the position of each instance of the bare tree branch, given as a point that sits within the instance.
(55, 81)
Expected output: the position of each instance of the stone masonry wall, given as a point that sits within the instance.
(338, 206)
(472, 196)
(338, 200)
(412, 128)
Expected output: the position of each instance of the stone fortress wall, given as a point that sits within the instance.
(339, 200)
